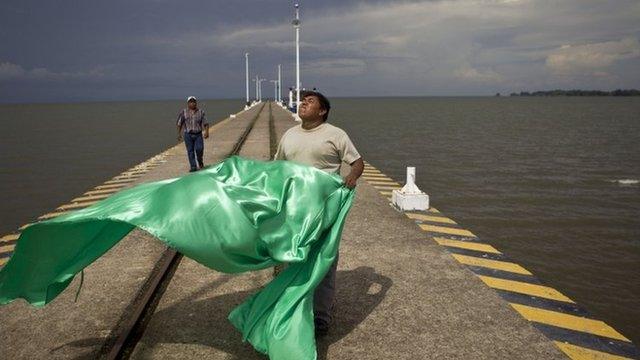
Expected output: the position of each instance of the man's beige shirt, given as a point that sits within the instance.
(324, 147)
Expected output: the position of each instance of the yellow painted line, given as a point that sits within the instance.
(567, 321)
(24, 226)
(525, 288)
(387, 187)
(422, 217)
(77, 205)
(110, 186)
(146, 165)
(118, 181)
(132, 173)
(93, 197)
(446, 230)
(124, 176)
(491, 264)
(467, 245)
(386, 193)
(375, 177)
(7, 248)
(10, 237)
(579, 353)
(371, 172)
(3, 261)
(98, 192)
(434, 210)
(52, 215)
(391, 183)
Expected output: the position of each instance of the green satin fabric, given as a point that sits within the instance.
(238, 215)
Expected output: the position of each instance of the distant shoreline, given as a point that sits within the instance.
(575, 92)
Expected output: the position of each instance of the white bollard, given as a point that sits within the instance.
(410, 197)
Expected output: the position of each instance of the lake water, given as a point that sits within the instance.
(551, 182)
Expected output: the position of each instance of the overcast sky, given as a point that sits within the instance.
(156, 49)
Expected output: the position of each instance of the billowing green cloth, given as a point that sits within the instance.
(238, 215)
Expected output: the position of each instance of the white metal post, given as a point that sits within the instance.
(275, 90)
(246, 65)
(296, 24)
(260, 88)
(257, 84)
(279, 95)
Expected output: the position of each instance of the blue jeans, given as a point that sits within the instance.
(323, 297)
(195, 149)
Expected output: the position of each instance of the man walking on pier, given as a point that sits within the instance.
(326, 147)
(191, 124)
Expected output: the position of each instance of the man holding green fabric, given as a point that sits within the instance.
(325, 147)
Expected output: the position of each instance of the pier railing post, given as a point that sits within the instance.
(410, 197)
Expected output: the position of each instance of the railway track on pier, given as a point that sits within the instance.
(133, 324)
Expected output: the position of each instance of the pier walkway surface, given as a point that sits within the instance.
(409, 286)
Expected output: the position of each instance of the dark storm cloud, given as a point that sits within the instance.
(90, 50)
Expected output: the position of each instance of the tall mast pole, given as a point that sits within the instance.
(279, 83)
(246, 65)
(296, 25)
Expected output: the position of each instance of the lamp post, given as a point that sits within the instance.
(279, 93)
(296, 24)
(260, 89)
(246, 65)
(275, 90)
(257, 80)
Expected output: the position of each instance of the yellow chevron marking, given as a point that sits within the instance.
(100, 192)
(369, 179)
(10, 237)
(92, 197)
(124, 176)
(467, 245)
(386, 187)
(110, 186)
(446, 230)
(131, 174)
(525, 288)
(125, 181)
(491, 264)
(52, 215)
(567, 321)
(3, 261)
(391, 183)
(579, 353)
(77, 205)
(422, 217)
(7, 248)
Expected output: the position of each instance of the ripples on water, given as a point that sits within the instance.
(51, 153)
(552, 182)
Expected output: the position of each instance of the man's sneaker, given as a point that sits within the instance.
(322, 327)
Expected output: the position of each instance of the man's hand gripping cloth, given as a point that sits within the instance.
(238, 215)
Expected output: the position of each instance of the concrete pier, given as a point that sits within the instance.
(403, 290)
